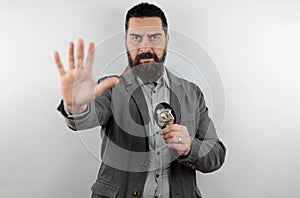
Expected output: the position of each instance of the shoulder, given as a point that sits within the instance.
(188, 86)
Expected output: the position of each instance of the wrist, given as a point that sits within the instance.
(76, 109)
(187, 151)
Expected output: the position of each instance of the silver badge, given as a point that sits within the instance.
(164, 117)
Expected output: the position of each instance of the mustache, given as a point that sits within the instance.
(146, 55)
(136, 61)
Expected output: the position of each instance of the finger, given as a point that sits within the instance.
(165, 130)
(71, 55)
(175, 127)
(169, 128)
(105, 84)
(174, 140)
(79, 53)
(58, 63)
(171, 140)
(91, 56)
(169, 135)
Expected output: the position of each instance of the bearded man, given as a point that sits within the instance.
(155, 127)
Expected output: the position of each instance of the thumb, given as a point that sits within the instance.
(105, 84)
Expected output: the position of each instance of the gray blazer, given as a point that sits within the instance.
(122, 113)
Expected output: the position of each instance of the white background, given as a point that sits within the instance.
(255, 45)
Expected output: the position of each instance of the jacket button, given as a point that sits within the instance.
(144, 164)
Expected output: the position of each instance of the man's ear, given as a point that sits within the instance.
(167, 38)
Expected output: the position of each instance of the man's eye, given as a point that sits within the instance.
(136, 38)
(156, 37)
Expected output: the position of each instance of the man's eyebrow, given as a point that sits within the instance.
(154, 34)
(134, 34)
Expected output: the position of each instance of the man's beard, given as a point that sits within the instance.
(147, 71)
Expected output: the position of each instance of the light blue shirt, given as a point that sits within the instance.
(157, 181)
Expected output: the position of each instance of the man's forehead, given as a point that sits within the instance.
(137, 24)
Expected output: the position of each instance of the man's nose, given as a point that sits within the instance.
(145, 46)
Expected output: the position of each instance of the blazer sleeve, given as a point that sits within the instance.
(207, 151)
(98, 113)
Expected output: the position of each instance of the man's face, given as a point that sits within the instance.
(145, 41)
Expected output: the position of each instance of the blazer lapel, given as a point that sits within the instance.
(176, 95)
(136, 94)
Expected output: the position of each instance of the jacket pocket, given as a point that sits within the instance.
(105, 189)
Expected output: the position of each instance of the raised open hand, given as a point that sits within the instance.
(77, 85)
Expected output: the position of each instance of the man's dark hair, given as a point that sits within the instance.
(146, 10)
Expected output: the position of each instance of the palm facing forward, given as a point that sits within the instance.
(77, 85)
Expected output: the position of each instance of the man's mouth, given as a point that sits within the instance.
(145, 60)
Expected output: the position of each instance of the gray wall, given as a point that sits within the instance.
(254, 44)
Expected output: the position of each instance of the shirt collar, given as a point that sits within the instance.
(163, 80)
